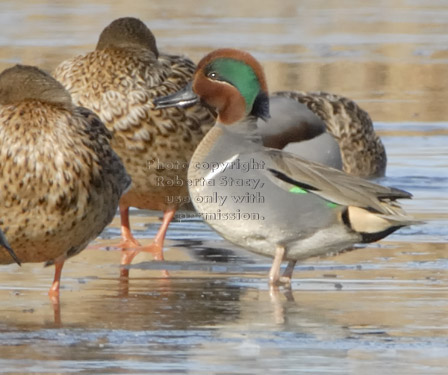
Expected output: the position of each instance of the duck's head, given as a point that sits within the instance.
(230, 80)
(24, 82)
(127, 32)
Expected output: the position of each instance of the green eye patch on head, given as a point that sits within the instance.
(238, 74)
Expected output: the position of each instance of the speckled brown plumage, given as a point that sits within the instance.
(118, 81)
(60, 181)
(363, 154)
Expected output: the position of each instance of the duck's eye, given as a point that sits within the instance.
(212, 75)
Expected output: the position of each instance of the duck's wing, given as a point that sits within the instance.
(287, 171)
(102, 138)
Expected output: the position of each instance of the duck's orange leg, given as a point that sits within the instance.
(128, 244)
(128, 240)
(155, 248)
(54, 290)
(53, 293)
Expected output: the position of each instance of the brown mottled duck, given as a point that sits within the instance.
(119, 80)
(60, 180)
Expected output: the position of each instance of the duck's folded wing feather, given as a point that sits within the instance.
(286, 170)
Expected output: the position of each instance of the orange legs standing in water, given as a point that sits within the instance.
(128, 239)
(54, 291)
(130, 245)
(131, 248)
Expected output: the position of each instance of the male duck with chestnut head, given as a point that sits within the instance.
(307, 209)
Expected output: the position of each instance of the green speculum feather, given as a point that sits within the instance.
(240, 75)
(332, 204)
(299, 190)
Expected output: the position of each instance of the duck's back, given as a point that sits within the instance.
(293, 127)
(362, 152)
(60, 180)
(155, 145)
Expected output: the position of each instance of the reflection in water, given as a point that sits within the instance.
(171, 303)
(365, 302)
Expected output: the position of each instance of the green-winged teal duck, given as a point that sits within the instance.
(266, 200)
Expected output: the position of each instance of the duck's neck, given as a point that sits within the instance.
(223, 142)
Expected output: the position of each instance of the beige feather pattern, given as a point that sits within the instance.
(60, 181)
(121, 84)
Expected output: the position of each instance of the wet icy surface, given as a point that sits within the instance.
(381, 309)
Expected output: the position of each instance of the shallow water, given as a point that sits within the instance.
(383, 308)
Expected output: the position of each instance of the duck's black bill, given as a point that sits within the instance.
(7, 246)
(183, 98)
